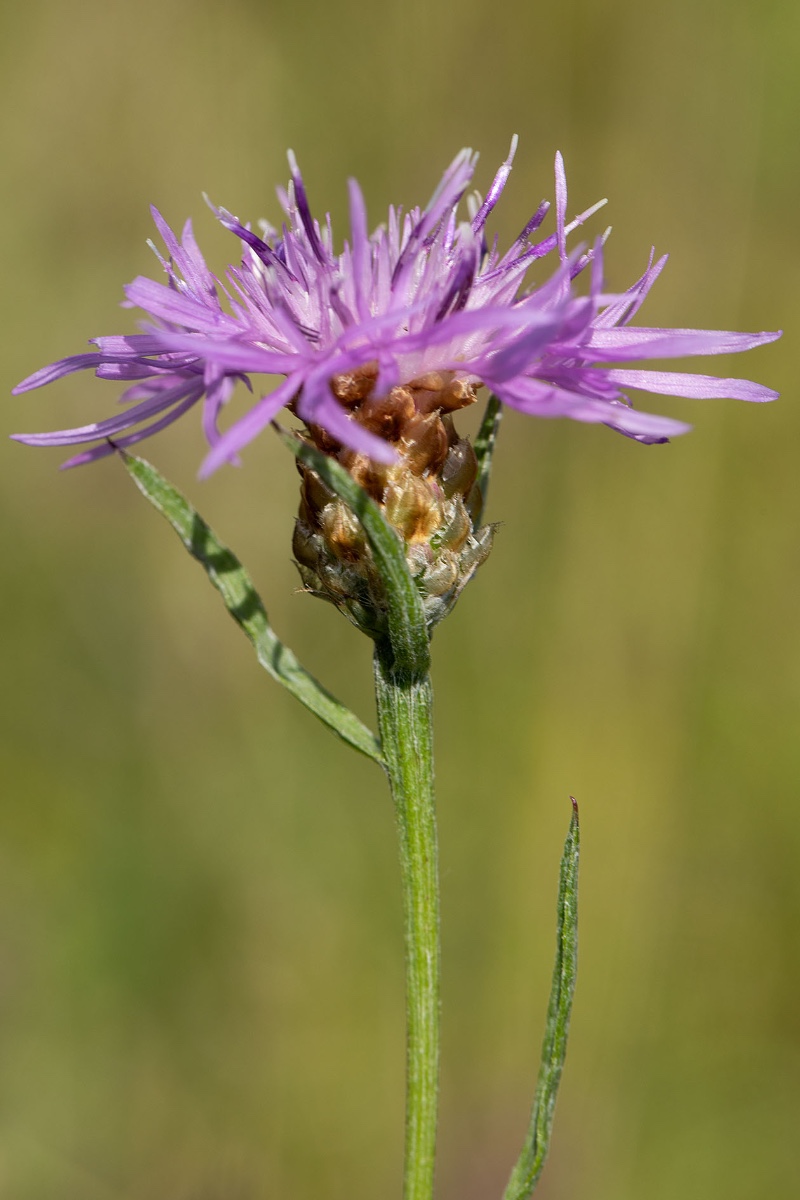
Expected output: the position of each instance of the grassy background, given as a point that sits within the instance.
(200, 962)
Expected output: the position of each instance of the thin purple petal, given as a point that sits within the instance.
(248, 427)
(696, 387)
(57, 370)
(112, 425)
(130, 439)
(561, 207)
(495, 191)
(361, 248)
(304, 210)
(610, 344)
(238, 356)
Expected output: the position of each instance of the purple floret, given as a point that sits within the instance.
(425, 292)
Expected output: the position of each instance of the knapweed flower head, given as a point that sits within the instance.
(424, 293)
(378, 344)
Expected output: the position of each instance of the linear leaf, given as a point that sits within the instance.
(484, 450)
(246, 607)
(529, 1165)
(407, 628)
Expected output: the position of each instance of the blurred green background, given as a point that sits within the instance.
(200, 957)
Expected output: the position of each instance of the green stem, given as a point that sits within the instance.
(405, 719)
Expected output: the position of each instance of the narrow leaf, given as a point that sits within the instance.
(408, 632)
(529, 1165)
(246, 607)
(484, 450)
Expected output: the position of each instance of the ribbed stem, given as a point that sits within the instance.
(405, 719)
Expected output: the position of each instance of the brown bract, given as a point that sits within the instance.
(424, 496)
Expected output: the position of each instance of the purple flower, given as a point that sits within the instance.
(424, 293)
